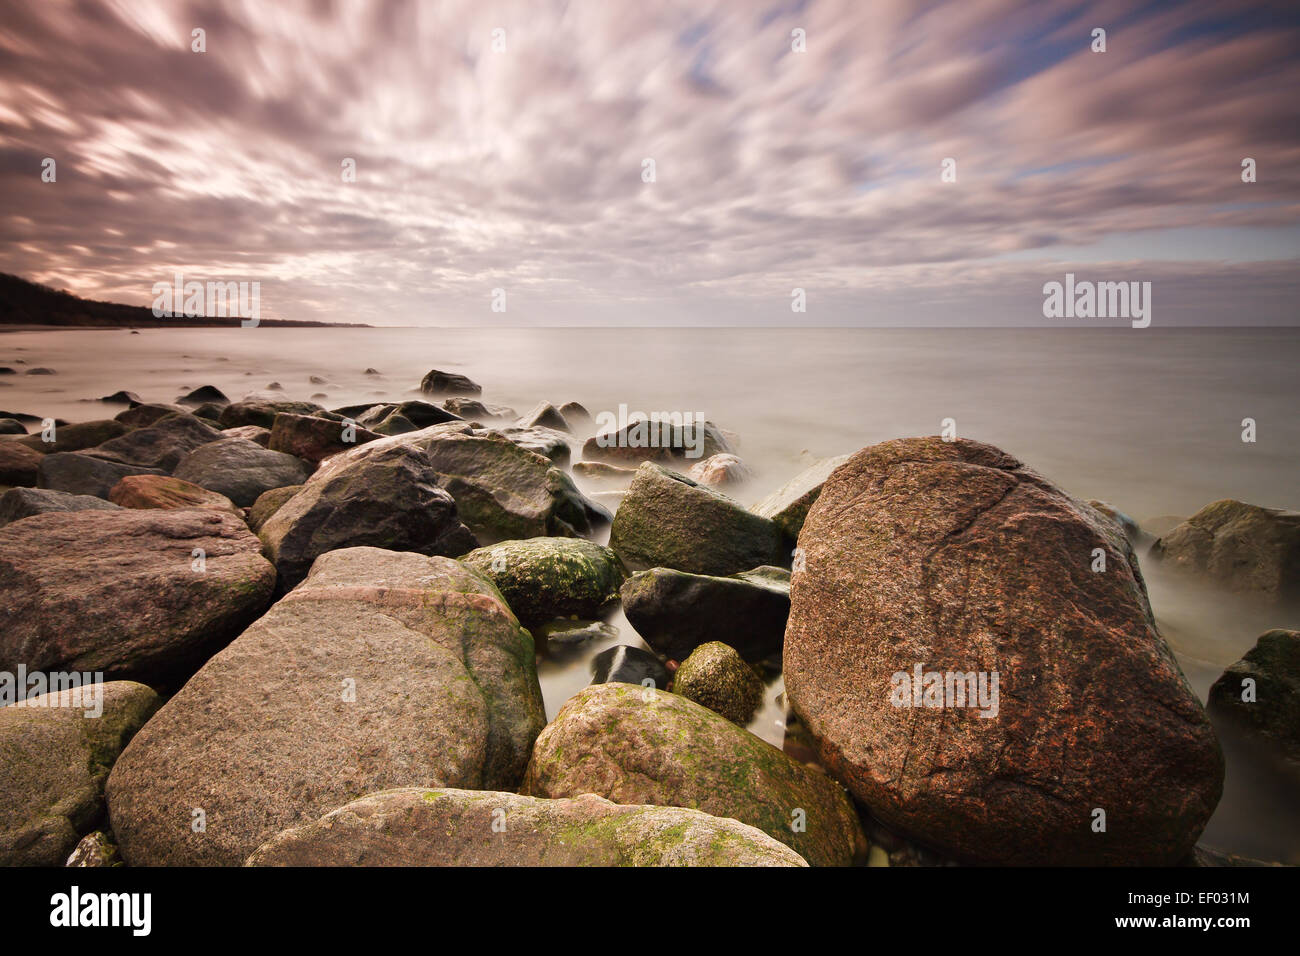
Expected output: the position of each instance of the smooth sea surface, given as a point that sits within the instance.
(1147, 420)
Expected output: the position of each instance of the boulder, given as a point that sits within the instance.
(668, 520)
(56, 750)
(202, 395)
(975, 682)
(17, 503)
(123, 397)
(789, 504)
(718, 471)
(268, 503)
(160, 445)
(656, 440)
(545, 578)
(315, 439)
(625, 664)
(634, 745)
(19, 465)
(543, 415)
(240, 469)
(471, 409)
(81, 474)
(381, 670)
(385, 500)
(576, 416)
(254, 433)
(1241, 547)
(502, 492)
(123, 592)
(676, 612)
(448, 383)
(716, 677)
(416, 827)
(12, 426)
(1261, 692)
(164, 491)
(419, 414)
(547, 442)
(141, 416)
(262, 413)
(76, 437)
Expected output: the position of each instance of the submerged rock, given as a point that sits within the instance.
(543, 415)
(638, 746)
(141, 416)
(715, 676)
(381, 670)
(677, 612)
(1261, 692)
(202, 395)
(667, 520)
(545, 578)
(471, 409)
(626, 664)
(1244, 548)
(55, 753)
(547, 442)
(135, 594)
(718, 471)
(445, 827)
(648, 440)
(975, 682)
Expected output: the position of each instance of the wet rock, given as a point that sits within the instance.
(386, 500)
(788, 505)
(716, 677)
(444, 827)
(639, 746)
(164, 491)
(123, 397)
(202, 394)
(545, 441)
(1261, 692)
(448, 383)
(718, 471)
(472, 409)
(925, 558)
(268, 503)
(545, 578)
(1241, 547)
(11, 426)
(626, 664)
(668, 520)
(576, 416)
(380, 670)
(315, 439)
(18, 503)
(607, 476)
(80, 474)
(566, 633)
(240, 469)
(54, 760)
(122, 591)
(676, 612)
(95, 849)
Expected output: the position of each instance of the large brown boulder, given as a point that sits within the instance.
(314, 439)
(123, 592)
(1241, 547)
(164, 491)
(636, 745)
(953, 558)
(19, 465)
(415, 827)
(381, 670)
(240, 469)
(56, 750)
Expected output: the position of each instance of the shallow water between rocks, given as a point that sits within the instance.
(1148, 420)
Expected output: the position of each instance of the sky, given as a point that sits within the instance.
(503, 146)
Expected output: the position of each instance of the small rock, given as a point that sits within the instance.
(1244, 548)
(718, 471)
(545, 578)
(448, 383)
(202, 394)
(626, 664)
(715, 676)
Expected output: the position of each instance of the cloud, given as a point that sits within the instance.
(521, 168)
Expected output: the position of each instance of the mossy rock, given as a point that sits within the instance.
(546, 578)
(716, 677)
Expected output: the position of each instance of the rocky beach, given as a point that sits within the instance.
(429, 627)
